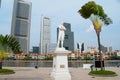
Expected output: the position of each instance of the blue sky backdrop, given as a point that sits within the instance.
(66, 11)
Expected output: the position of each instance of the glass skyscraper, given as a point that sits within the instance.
(0, 3)
(21, 18)
(45, 35)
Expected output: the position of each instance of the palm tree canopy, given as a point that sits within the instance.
(2, 54)
(92, 8)
(9, 44)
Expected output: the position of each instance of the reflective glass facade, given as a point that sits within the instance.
(21, 23)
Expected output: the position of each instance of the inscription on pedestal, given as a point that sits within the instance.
(54, 66)
(62, 66)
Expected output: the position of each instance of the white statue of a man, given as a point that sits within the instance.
(61, 35)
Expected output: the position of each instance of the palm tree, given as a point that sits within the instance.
(8, 44)
(96, 14)
(2, 56)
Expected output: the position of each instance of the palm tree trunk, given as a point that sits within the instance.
(99, 47)
(0, 63)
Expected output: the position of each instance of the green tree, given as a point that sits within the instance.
(8, 44)
(98, 17)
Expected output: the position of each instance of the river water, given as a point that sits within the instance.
(21, 63)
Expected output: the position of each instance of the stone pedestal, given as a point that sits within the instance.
(60, 65)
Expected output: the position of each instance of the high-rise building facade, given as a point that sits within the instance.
(0, 3)
(69, 37)
(110, 49)
(21, 18)
(52, 47)
(91, 49)
(103, 49)
(35, 49)
(45, 35)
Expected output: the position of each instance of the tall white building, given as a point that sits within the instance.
(110, 49)
(45, 35)
(21, 18)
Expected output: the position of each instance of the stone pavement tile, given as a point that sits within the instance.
(30, 73)
(21, 79)
(82, 74)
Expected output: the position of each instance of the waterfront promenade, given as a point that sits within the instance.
(30, 73)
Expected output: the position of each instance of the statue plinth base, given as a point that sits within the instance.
(60, 65)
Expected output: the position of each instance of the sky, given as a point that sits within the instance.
(67, 11)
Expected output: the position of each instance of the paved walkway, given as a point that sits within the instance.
(30, 73)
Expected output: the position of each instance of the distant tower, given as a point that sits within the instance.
(80, 46)
(21, 18)
(45, 35)
(110, 49)
(69, 37)
(103, 49)
(35, 49)
(91, 49)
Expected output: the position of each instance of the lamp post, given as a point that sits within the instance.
(36, 62)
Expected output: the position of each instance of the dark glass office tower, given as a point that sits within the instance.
(0, 3)
(21, 18)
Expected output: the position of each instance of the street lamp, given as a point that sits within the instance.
(36, 62)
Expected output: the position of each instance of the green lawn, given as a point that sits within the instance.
(102, 73)
(6, 71)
